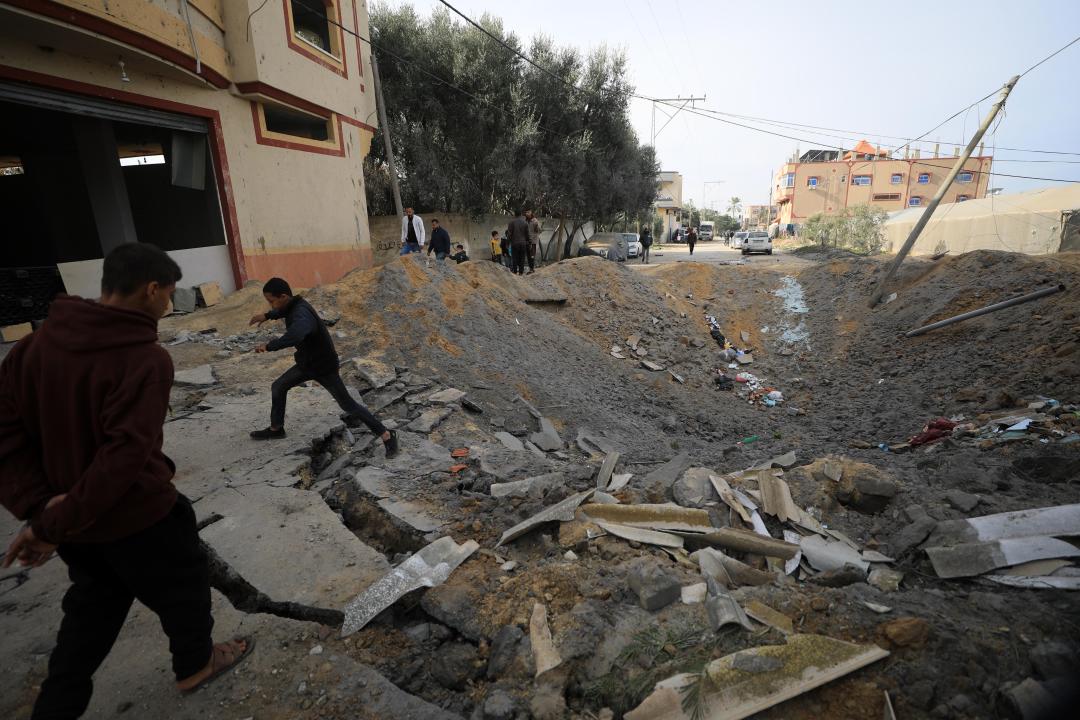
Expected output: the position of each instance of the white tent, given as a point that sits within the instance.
(1029, 222)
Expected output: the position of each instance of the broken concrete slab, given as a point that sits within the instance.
(637, 534)
(781, 461)
(547, 438)
(1059, 521)
(592, 444)
(375, 373)
(668, 473)
(545, 655)
(375, 481)
(911, 535)
(603, 476)
(744, 358)
(633, 341)
(824, 554)
(413, 514)
(383, 399)
(198, 377)
(428, 567)
(962, 501)
(210, 293)
(650, 365)
(885, 579)
(694, 594)
(652, 517)
(430, 419)
(533, 486)
(184, 300)
(562, 512)
(970, 559)
(749, 681)
(693, 488)
(449, 395)
(767, 616)
(509, 441)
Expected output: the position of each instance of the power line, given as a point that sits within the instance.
(1061, 49)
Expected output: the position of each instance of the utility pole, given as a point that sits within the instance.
(914, 235)
(380, 106)
(685, 101)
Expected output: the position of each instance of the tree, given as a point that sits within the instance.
(859, 229)
(734, 205)
(519, 137)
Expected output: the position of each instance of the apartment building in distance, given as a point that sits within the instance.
(758, 217)
(231, 134)
(828, 181)
(669, 201)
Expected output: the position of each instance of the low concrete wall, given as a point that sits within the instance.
(474, 234)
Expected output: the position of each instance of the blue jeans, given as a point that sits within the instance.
(409, 248)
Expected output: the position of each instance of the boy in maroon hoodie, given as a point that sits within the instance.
(82, 406)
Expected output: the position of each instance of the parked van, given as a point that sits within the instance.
(705, 231)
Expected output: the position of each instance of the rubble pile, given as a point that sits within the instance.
(582, 523)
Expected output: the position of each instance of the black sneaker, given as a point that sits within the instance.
(268, 434)
(391, 445)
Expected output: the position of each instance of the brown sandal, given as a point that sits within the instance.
(218, 671)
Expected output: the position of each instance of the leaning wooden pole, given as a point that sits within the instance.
(380, 107)
(915, 231)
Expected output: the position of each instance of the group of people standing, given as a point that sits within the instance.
(518, 245)
(413, 239)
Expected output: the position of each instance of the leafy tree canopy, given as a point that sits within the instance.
(518, 138)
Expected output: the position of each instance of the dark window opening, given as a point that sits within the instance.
(310, 24)
(290, 122)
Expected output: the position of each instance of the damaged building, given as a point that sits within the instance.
(231, 135)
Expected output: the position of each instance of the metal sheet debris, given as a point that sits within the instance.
(652, 517)
(561, 511)
(619, 481)
(796, 539)
(750, 681)
(970, 559)
(722, 609)
(767, 616)
(428, 567)
(781, 461)
(1046, 582)
(545, 655)
(723, 489)
(608, 467)
(1059, 521)
(637, 534)
(776, 496)
(824, 554)
(747, 542)
(1035, 568)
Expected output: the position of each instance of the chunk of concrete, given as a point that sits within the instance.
(547, 438)
(509, 441)
(823, 554)
(430, 419)
(184, 300)
(377, 374)
(655, 588)
(529, 487)
(603, 476)
(693, 489)
(666, 475)
(201, 376)
(962, 501)
(545, 655)
(449, 395)
(885, 579)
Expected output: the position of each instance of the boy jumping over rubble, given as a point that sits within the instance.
(316, 359)
(82, 408)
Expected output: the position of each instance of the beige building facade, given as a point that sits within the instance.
(825, 181)
(231, 133)
(669, 200)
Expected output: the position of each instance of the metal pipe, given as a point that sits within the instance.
(985, 310)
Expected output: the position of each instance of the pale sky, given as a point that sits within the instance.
(890, 68)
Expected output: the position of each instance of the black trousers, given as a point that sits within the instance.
(519, 253)
(335, 386)
(532, 256)
(691, 245)
(165, 569)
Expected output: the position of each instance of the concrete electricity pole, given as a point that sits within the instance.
(380, 106)
(914, 235)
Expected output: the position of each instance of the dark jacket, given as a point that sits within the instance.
(518, 231)
(460, 256)
(646, 239)
(440, 241)
(305, 331)
(82, 405)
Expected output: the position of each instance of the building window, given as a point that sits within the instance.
(843, 179)
(789, 180)
(962, 198)
(924, 178)
(896, 179)
(965, 177)
(286, 127)
(313, 22)
(914, 201)
(885, 197)
(812, 181)
(861, 179)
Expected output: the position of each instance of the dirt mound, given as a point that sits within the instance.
(229, 317)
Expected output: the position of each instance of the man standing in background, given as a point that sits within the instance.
(534, 238)
(518, 234)
(691, 239)
(646, 243)
(412, 233)
(440, 241)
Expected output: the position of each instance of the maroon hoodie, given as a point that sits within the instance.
(82, 407)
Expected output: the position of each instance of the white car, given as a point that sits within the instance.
(633, 245)
(757, 241)
(738, 239)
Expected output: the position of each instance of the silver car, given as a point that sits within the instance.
(633, 245)
(738, 239)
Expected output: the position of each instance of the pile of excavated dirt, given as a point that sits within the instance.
(850, 381)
